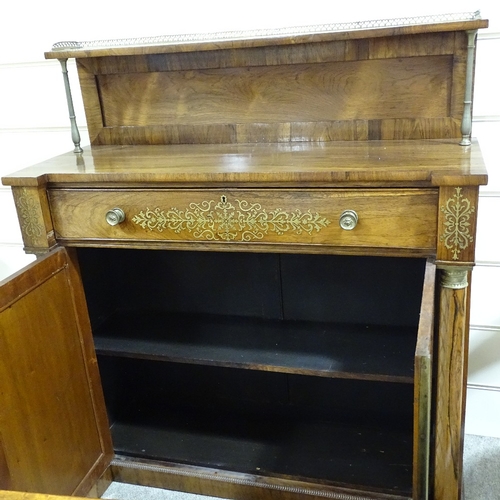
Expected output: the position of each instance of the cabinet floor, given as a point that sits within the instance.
(481, 466)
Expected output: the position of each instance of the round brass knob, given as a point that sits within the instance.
(115, 216)
(348, 220)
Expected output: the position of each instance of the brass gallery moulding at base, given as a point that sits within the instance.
(221, 220)
(457, 210)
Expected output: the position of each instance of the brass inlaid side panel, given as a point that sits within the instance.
(457, 224)
(34, 218)
(30, 217)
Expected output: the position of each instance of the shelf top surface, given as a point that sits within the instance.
(264, 37)
(336, 164)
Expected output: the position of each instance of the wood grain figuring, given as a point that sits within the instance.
(15, 495)
(288, 93)
(241, 133)
(229, 95)
(343, 164)
(414, 129)
(423, 44)
(100, 415)
(449, 417)
(52, 439)
(101, 485)
(92, 102)
(457, 96)
(5, 481)
(232, 58)
(303, 217)
(423, 387)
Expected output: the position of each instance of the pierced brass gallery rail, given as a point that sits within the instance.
(221, 220)
(457, 210)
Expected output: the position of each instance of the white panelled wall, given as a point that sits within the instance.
(34, 121)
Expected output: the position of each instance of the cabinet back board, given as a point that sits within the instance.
(307, 287)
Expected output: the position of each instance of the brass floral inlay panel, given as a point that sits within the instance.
(28, 215)
(457, 210)
(221, 220)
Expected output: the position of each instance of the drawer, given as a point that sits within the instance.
(390, 218)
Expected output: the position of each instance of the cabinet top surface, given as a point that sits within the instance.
(266, 37)
(412, 163)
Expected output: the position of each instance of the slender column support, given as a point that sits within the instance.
(450, 391)
(75, 134)
(467, 116)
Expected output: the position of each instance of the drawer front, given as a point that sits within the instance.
(390, 218)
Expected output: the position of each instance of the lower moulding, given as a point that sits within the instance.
(120, 466)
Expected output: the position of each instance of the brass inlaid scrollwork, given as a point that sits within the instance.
(457, 210)
(28, 215)
(212, 220)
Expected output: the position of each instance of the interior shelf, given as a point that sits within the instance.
(314, 348)
(338, 431)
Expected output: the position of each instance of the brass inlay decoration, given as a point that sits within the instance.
(457, 210)
(28, 215)
(221, 220)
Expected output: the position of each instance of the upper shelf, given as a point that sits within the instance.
(262, 37)
(337, 164)
(406, 78)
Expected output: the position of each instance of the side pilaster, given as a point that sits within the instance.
(34, 218)
(455, 259)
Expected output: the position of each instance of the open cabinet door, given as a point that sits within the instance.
(423, 387)
(54, 435)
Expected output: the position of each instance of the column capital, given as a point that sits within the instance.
(454, 277)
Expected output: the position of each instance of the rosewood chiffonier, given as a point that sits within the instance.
(254, 282)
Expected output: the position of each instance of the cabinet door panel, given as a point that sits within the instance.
(423, 386)
(53, 426)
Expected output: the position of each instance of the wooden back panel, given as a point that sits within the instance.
(392, 87)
